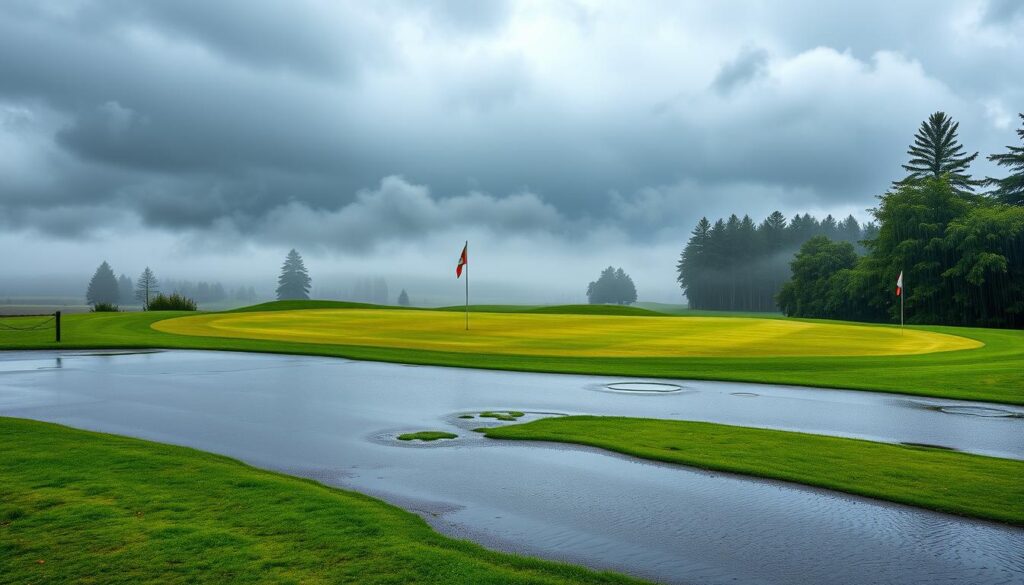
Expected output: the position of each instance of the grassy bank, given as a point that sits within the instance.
(959, 483)
(994, 372)
(82, 507)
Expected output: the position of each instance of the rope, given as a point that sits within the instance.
(35, 327)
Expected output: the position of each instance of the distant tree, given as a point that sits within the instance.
(403, 299)
(613, 286)
(691, 268)
(1010, 189)
(174, 302)
(936, 152)
(849, 230)
(814, 267)
(125, 289)
(625, 289)
(146, 286)
(294, 280)
(102, 287)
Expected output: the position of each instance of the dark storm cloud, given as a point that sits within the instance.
(749, 63)
(280, 121)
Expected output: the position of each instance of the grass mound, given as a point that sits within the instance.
(426, 436)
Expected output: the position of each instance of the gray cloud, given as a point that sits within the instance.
(748, 64)
(401, 211)
(276, 123)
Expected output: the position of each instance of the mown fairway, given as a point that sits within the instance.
(568, 335)
(993, 371)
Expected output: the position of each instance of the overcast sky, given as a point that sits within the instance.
(205, 139)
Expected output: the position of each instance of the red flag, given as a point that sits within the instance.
(899, 285)
(463, 261)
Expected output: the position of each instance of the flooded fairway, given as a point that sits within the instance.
(337, 421)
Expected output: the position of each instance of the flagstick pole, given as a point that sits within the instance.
(903, 293)
(467, 285)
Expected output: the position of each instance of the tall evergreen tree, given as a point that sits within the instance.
(690, 269)
(849, 230)
(1011, 188)
(102, 286)
(294, 280)
(403, 299)
(936, 152)
(146, 287)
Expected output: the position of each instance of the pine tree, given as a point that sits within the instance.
(102, 286)
(294, 280)
(403, 299)
(936, 152)
(1010, 189)
(692, 262)
(146, 286)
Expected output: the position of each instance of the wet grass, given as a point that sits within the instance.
(938, 479)
(994, 372)
(82, 507)
(426, 436)
(502, 415)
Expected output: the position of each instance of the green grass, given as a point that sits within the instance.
(938, 479)
(992, 373)
(97, 508)
(426, 436)
(501, 415)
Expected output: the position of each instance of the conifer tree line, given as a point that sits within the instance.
(960, 248)
(958, 239)
(736, 264)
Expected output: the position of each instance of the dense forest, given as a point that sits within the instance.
(738, 265)
(960, 248)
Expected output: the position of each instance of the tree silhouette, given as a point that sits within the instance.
(102, 286)
(403, 299)
(1011, 188)
(936, 152)
(737, 265)
(146, 286)
(613, 286)
(294, 280)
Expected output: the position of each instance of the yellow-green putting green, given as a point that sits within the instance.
(568, 335)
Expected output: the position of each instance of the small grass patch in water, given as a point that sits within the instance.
(466, 416)
(426, 436)
(506, 415)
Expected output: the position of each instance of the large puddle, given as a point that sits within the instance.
(334, 420)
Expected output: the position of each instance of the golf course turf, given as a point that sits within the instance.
(993, 372)
(83, 507)
(959, 483)
(567, 335)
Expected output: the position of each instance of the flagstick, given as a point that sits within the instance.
(903, 293)
(467, 285)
